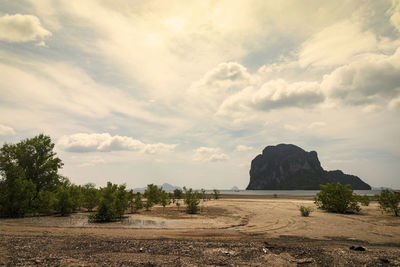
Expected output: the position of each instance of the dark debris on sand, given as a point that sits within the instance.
(91, 250)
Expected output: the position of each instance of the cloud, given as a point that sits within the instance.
(218, 83)
(104, 142)
(317, 124)
(395, 17)
(336, 45)
(363, 81)
(21, 28)
(241, 148)
(68, 89)
(273, 94)
(394, 103)
(209, 154)
(6, 130)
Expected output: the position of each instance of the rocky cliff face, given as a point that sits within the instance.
(287, 167)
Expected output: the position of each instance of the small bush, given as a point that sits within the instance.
(192, 201)
(389, 202)
(364, 200)
(137, 204)
(217, 194)
(305, 211)
(113, 203)
(337, 198)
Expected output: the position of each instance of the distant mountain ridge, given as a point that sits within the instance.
(289, 167)
(166, 186)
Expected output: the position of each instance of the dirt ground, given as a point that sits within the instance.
(250, 231)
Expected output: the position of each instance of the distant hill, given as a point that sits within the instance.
(166, 186)
(289, 167)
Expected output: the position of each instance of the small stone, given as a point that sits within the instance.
(140, 249)
(359, 248)
(384, 260)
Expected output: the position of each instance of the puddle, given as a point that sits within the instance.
(81, 220)
(139, 223)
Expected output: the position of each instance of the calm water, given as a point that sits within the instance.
(290, 192)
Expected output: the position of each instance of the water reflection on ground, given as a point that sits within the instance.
(82, 220)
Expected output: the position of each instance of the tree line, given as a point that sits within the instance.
(31, 185)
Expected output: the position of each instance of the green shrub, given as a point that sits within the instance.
(216, 194)
(337, 198)
(16, 197)
(192, 201)
(152, 195)
(64, 204)
(305, 211)
(178, 194)
(113, 203)
(389, 202)
(164, 199)
(364, 200)
(46, 202)
(90, 196)
(137, 204)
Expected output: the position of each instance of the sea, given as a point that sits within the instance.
(290, 192)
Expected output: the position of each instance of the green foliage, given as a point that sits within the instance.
(65, 203)
(178, 193)
(364, 200)
(77, 196)
(216, 194)
(121, 200)
(137, 204)
(91, 196)
(148, 204)
(389, 202)
(113, 203)
(192, 201)
(16, 197)
(27, 169)
(35, 159)
(153, 194)
(305, 211)
(337, 198)
(203, 195)
(46, 202)
(164, 199)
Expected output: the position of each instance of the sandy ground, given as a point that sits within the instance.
(247, 231)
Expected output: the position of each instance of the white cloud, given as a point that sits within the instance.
(317, 124)
(209, 154)
(22, 28)
(241, 148)
(273, 94)
(64, 87)
(92, 162)
(365, 80)
(223, 80)
(6, 130)
(291, 127)
(104, 142)
(395, 17)
(336, 44)
(394, 103)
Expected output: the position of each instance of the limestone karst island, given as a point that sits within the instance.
(289, 167)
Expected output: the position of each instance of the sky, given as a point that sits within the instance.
(189, 92)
